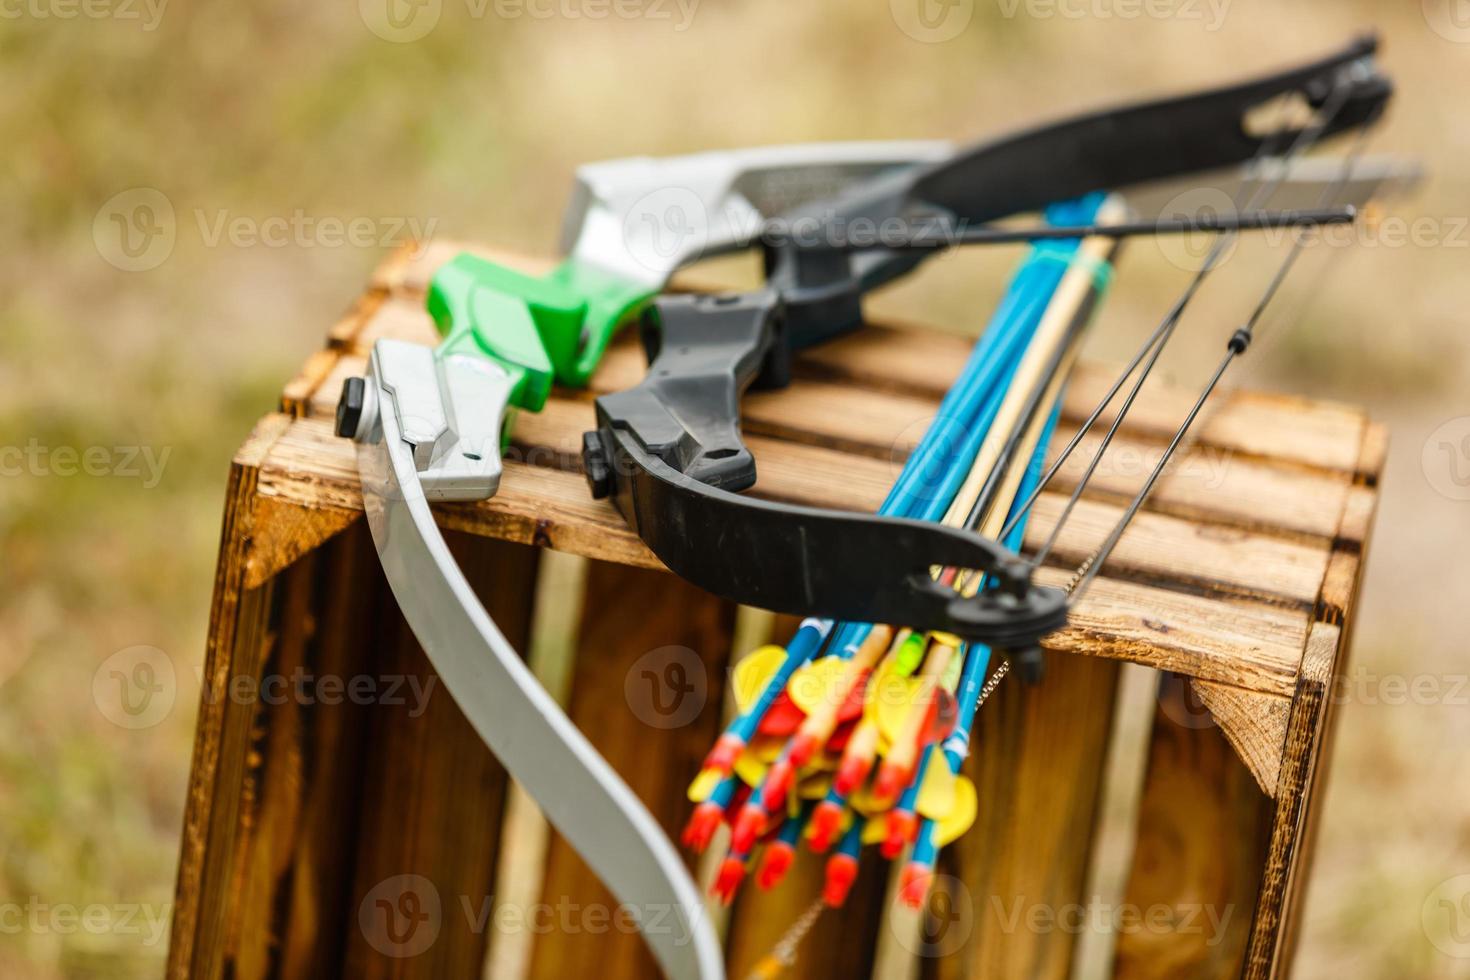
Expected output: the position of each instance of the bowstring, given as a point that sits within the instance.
(1253, 191)
(1239, 342)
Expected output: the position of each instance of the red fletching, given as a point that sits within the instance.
(775, 863)
(914, 884)
(900, 829)
(702, 825)
(826, 818)
(842, 871)
(722, 757)
(783, 717)
(749, 824)
(732, 872)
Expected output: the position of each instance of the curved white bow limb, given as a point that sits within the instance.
(581, 795)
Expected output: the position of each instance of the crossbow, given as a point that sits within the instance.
(669, 453)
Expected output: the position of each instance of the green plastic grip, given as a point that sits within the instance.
(537, 328)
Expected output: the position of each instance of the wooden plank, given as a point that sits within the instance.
(203, 907)
(1286, 857)
(1240, 644)
(1254, 724)
(1014, 880)
(647, 691)
(431, 802)
(310, 901)
(843, 941)
(1159, 549)
(1202, 836)
(1212, 486)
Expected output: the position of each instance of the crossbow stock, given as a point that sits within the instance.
(669, 452)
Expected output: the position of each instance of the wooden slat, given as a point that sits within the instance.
(432, 800)
(1037, 762)
(1286, 857)
(204, 907)
(313, 916)
(652, 719)
(1202, 833)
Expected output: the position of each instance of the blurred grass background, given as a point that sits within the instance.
(257, 110)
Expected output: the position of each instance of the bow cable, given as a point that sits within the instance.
(1237, 345)
(1256, 190)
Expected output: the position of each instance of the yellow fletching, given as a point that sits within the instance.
(815, 787)
(750, 767)
(961, 815)
(815, 684)
(753, 671)
(704, 784)
(892, 701)
(937, 794)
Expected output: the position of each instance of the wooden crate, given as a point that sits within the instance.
(1237, 582)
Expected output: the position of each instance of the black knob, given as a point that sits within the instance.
(595, 465)
(349, 406)
(1031, 662)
